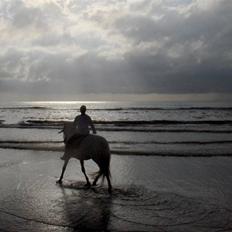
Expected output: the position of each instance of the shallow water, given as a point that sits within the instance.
(149, 194)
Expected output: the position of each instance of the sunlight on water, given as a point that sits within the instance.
(131, 128)
(63, 102)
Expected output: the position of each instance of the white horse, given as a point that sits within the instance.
(91, 147)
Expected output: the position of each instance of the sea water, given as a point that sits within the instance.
(131, 128)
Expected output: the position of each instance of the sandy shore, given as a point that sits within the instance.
(150, 194)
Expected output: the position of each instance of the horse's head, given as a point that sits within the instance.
(68, 130)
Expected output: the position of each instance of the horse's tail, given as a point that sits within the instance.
(104, 165)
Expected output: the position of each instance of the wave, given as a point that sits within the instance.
(155, 122)
(137, 122)
(122, 142)
(163, 108)
(26, 108)
(171, 154)
(58, 126)
(28, 142)
(180, 108)
(173, 142)
(171, 108)
(120, 152)
(132, 130)
(157, 108)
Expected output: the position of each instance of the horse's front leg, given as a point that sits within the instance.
(62, 173)
(83, 170)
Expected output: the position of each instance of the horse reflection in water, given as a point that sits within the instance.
(93, 147)
(85, 210)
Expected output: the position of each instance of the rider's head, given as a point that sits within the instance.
(83, 109)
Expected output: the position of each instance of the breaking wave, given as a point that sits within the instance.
(209, 126)
(141, 122)
(26, 108)
(122, 149)
(118, 108)
(214, 126)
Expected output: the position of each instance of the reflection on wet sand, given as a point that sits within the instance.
(85, 210)
(134, 208)
(130, 208)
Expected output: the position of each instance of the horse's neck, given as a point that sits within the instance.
(68, 129)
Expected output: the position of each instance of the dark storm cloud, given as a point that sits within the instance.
(116, 47)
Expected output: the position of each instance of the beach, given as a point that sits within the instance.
(170, 166)
(149, 194)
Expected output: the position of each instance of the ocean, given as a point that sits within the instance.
(131, 128)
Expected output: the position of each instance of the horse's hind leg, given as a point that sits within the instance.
(62, 173)
(96, 178)
(83, 170)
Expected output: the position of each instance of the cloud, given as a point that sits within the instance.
(79, 47)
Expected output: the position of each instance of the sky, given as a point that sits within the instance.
(109, 50)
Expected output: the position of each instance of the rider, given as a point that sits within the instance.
(81, 127)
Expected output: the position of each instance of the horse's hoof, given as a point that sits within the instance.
(87, 185)
(110, 191)
(59, 181)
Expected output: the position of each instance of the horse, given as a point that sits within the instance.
(93, 147)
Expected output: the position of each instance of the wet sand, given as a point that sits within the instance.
(150, 194)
